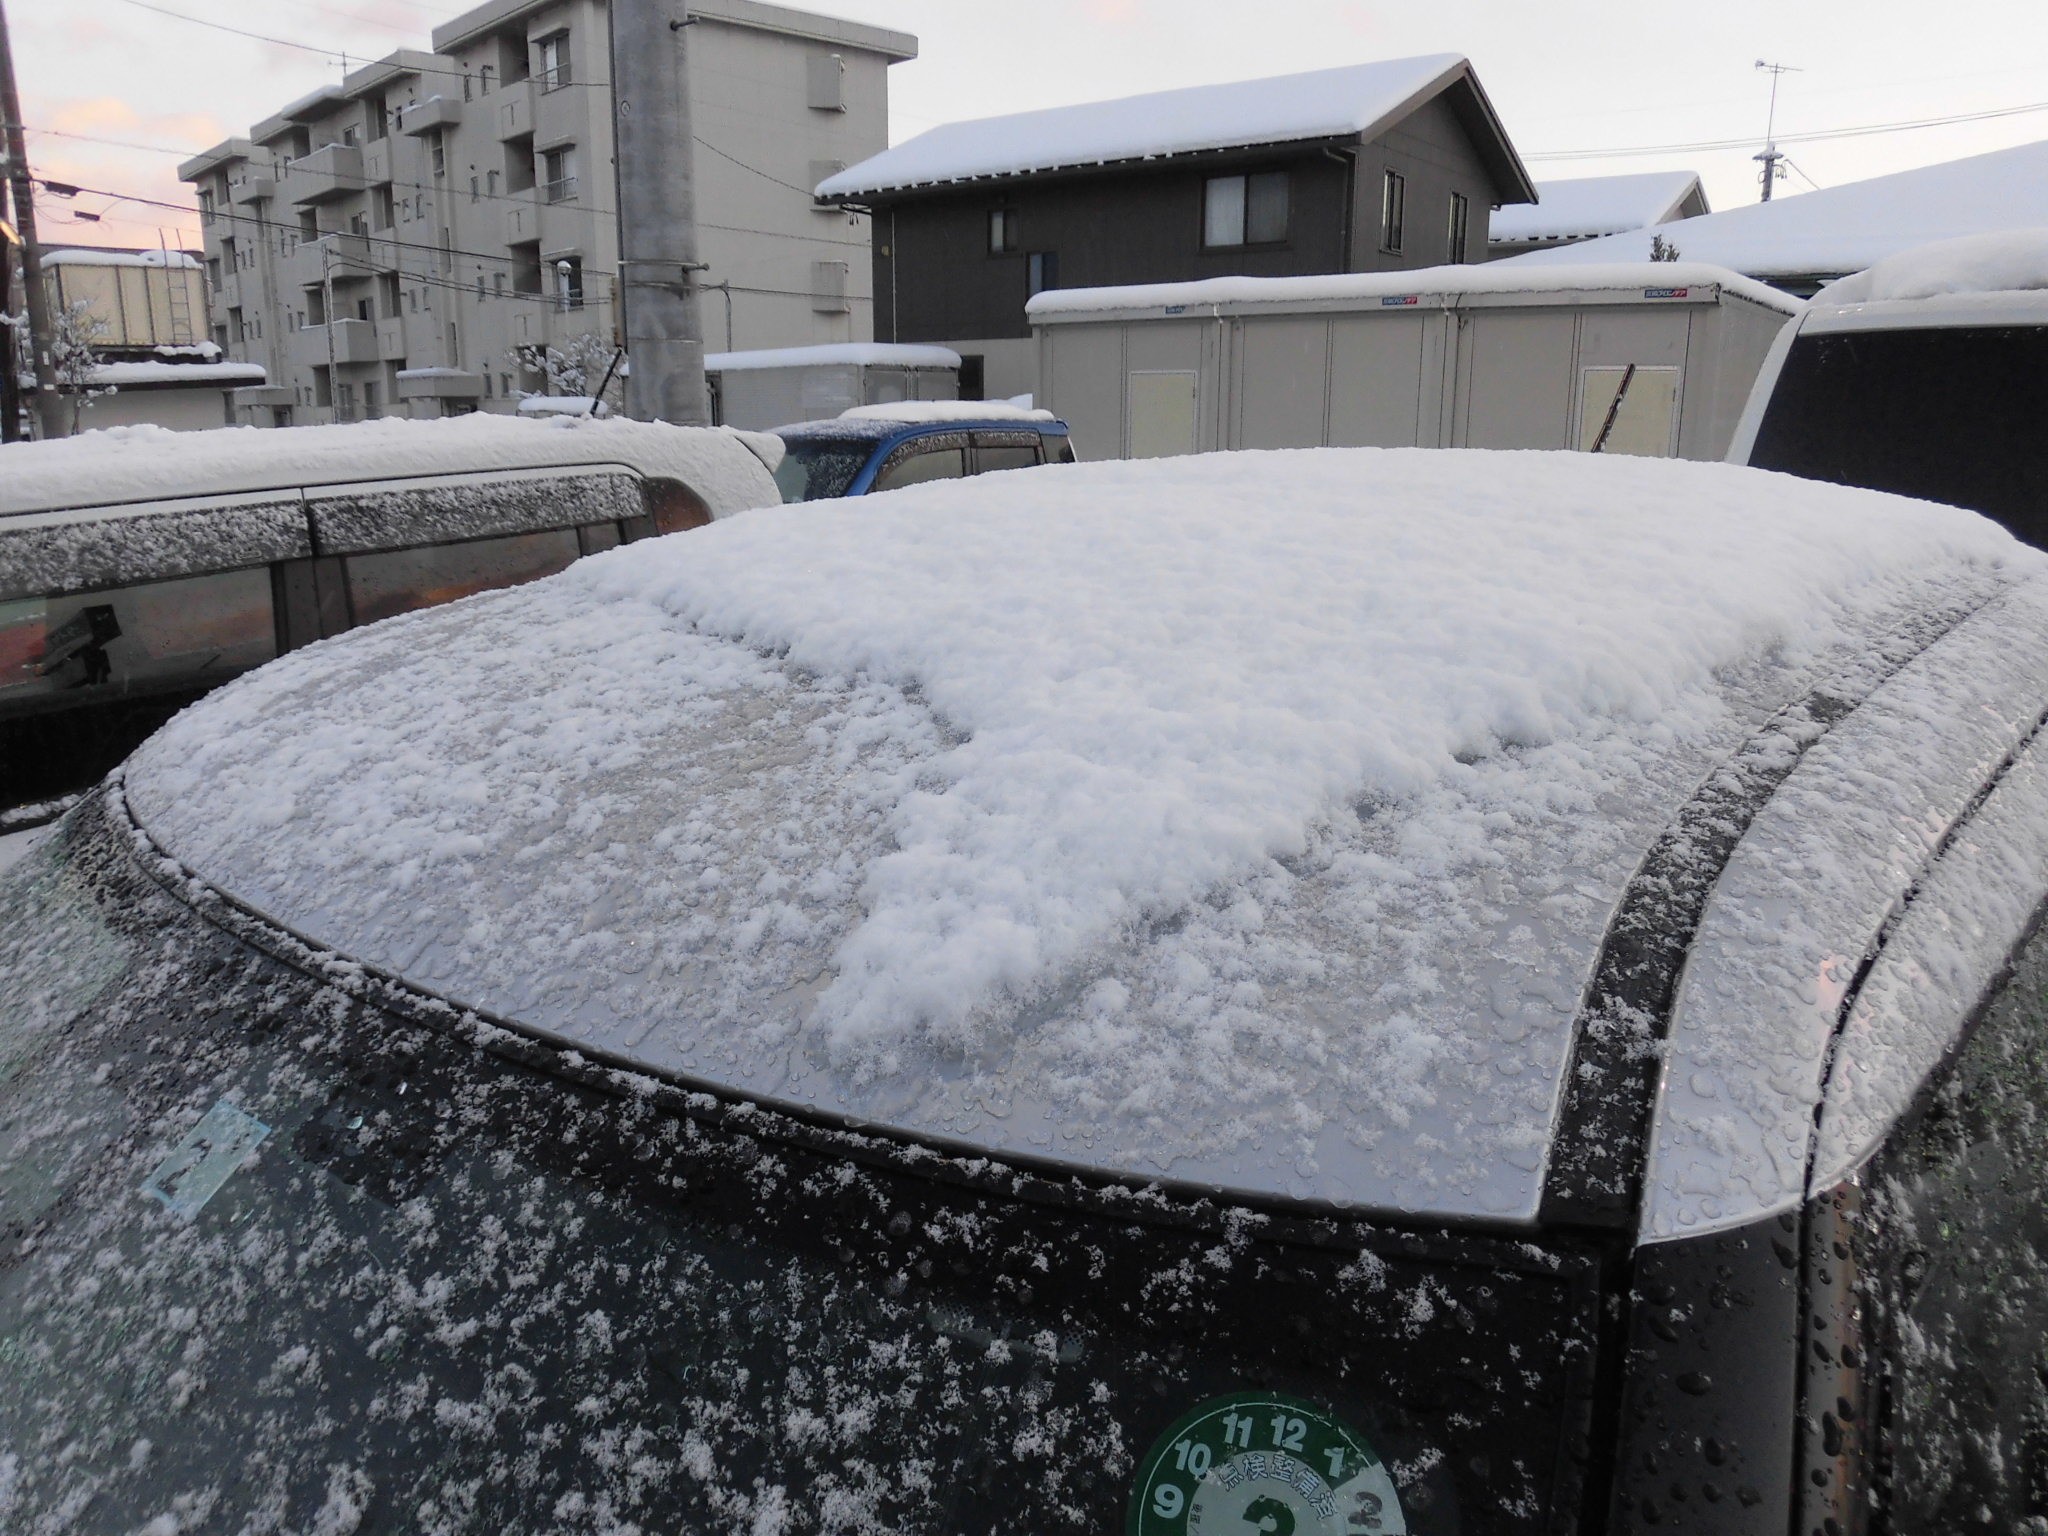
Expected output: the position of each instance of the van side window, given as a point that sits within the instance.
(1006, 450)
(943, 458)
(1956, 1300)
(401, 580)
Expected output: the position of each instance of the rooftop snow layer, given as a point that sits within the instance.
(2010, 262)
(945, 410)
(1594, 205)
(77, 256)
(863, 354)
(179, 373)
(1434, 283)
(146, 463)
(1249, 819)
(1846, 228)
(1327, 103)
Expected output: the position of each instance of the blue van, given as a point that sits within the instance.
(868, 450)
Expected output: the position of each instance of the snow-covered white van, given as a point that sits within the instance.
(1926, 375)
(1340, 991)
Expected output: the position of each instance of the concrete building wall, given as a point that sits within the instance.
(462, 205)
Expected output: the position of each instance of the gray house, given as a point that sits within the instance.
(1368, 168)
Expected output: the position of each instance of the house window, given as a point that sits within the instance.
(569, 283)
(438, 144)
(1245, 210)
(1460, 221)
(1393, 210)
(1002, 230)
(348, 134)
(558, 172)
(1042, 271)
(554, 62)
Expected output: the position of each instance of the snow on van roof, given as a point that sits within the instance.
(1325, 103)
(862, 354)
(1665, 280)
(149, 463)
(1844, 228)
(1587, 206)
(2011, 261)
(945, 410)
(1245, 819)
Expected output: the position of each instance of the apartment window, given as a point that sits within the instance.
(490, 183)
(468, 87)
(498, 284)
(348, 134)
(205, 207)
(558, 172)
(309, 225)
(554, 62)
(476, 189)
(569, 282)
(1002, 231)
(484, 81)
(1454, 247)
(358, 225)
(387, 293)
(1244, 210)
(1393, 211)
(377, 117)
(438, 146)
(479, 283)
(213, 272)
(381, 205)
(1042, 271)
(454, 346)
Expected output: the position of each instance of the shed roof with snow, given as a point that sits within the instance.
(1352, 103)
(1799, 242)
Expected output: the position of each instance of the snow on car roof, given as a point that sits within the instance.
(148, 463)
(2010, 261)
(1323, 103)
(1585, 206)
(1251, 820)
(860, 354)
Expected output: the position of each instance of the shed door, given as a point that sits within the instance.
(1162, 413)
(1517, 384)
(1282, 364)
(1631, 409)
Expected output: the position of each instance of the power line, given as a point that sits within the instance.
(1815, 136)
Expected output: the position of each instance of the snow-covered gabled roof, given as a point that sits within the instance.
(1589, 206)
(1251, 820)
(1356, 100)
(1837, 230)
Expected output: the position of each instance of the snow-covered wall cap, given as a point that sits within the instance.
(82, 256)
(1663, 281)
(1594, 205)
(219, 375)
(1845, 228)
(860, 354)
(1326, 103)
(1251, 820)
(563, 405)
(148, 463)
(2011, 261)
(945, 410)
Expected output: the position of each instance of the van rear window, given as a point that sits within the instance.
(1954, 415)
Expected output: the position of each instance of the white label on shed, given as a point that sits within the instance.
(1628, 410)
(1162, 413)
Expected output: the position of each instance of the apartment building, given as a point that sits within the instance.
(402, 242)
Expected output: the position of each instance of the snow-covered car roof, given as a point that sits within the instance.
(152, 464)
(1250, 821)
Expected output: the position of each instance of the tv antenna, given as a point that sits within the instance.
(1773, 161)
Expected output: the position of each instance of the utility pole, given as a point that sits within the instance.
(327, 313)
(48, 406)
(653, 153)
(10, 371)
(1771, 158)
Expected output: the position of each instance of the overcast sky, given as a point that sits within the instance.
(1567, 76)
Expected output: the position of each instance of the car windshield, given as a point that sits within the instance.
(815, 468)
(283, 1246)
(1951, 414)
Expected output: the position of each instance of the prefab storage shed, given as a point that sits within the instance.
(1651, 358)
(781, 385)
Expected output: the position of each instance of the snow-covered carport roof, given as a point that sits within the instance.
(1355, 102)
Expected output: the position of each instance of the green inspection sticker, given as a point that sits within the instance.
(1258, 1462)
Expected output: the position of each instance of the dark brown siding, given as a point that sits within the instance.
(1430, 148)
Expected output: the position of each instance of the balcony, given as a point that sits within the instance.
(256, 187)
(334, 170)
(511, 110)
(342, 256)
(521, 221)
(355, 341)
(431, 115)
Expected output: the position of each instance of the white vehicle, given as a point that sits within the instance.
(1927, 375)
(1329, 992)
